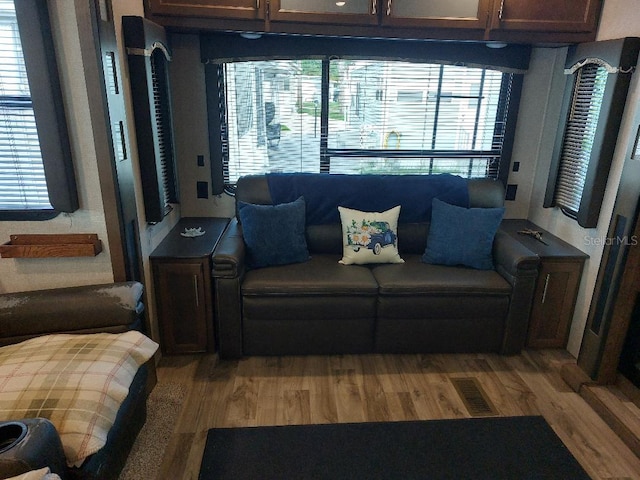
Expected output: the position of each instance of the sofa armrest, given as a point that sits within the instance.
(512, 257)
(36, 445)
(519, 266)
(113, 308)
(228, 270)
(228, 257)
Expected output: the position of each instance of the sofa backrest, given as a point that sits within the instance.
(412, 236)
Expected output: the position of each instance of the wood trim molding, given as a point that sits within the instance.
(621, 316)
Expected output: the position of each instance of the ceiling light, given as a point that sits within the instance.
(251, 35)
(340, 4)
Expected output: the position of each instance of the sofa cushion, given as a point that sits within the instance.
(369, 237)
(462, 236)
(415, 277)
(321, 275)
(274, 234)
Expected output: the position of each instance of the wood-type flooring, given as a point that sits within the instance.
(258, 391)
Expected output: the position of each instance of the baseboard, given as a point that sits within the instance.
(619, 412)
(574, 376)
(618, 405)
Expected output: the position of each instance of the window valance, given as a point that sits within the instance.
(228, 47)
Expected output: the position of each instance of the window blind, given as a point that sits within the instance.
(163, 129)
(586, 104)
(148, 59)
(22, 179)
(416, 118)
(363, 116)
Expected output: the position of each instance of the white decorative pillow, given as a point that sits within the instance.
(369, 237)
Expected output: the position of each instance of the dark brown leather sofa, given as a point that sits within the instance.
(111, 308)
(322, 307)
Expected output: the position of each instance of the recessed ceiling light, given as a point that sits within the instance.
(340, 4)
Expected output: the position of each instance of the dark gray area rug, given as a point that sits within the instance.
(474, 448)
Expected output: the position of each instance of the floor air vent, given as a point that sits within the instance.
(474, 397)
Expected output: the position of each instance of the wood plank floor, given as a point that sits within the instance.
(357, 388)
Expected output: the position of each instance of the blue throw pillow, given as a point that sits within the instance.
(462, 236)
(274, 234)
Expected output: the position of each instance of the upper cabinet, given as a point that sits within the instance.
(396, 13)
(521, 21)
(436, 13)
(238, 9)
(348, 12)
(546, 15)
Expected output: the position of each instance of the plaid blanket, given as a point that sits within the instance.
(76, 381)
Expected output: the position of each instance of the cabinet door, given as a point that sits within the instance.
(554, 303)
(546, 15)
(436, 13)
(241, 9)
(357, 12)
(183, 310)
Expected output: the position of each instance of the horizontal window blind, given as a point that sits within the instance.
(420, 118)
(22, 179)
(409, 106)
(580, 131)
(163, 129)
(362, 116)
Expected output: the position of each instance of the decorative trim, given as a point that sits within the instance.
(147, 52)
(598, 61)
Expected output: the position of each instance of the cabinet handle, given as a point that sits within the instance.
(546, 284)
(501, 11)
(195, 289)
(374, 7)
(388, 8)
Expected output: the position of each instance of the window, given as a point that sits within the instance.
(600, 74)
(36, 176)
(363, 117)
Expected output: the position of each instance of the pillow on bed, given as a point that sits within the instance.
(274, 234)
(78, 382)
(369, 237)
(462, 236)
